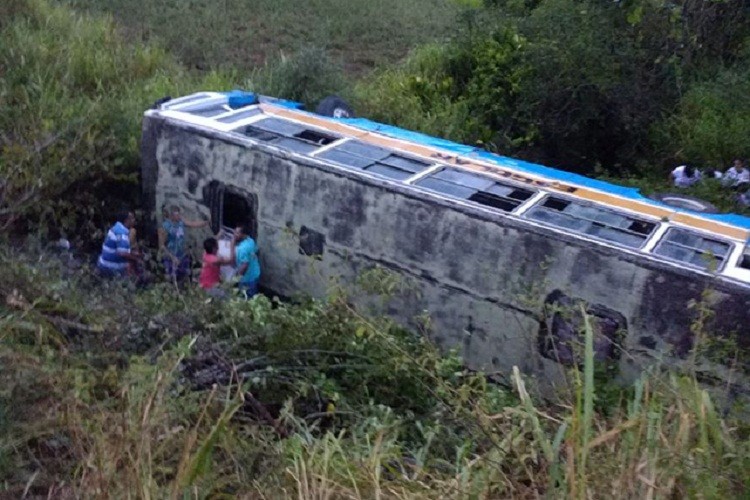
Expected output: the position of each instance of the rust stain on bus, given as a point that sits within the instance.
(505, 174)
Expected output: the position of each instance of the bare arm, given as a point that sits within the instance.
(128, 255)
(128, 252)
(241, 270)
(133, 237)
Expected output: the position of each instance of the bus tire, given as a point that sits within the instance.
(679, 200)
(335, 107)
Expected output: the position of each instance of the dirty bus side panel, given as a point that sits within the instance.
(489, 283)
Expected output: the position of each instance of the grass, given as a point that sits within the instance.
(244, 35)
(98, 399)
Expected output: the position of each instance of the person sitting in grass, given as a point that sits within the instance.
(684, 176)
(737, 176)
(210, 277)
(172, 244)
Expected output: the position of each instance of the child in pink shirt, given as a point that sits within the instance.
(210, 275)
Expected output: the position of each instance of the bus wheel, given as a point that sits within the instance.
(334, 106)
(680, 200)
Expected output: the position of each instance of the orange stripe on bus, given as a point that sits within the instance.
(714, 227)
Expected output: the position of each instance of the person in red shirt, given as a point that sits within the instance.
(210, 276)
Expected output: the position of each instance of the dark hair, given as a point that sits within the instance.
(123, 215)
(210, 245)
(247, 230)
(689, 170)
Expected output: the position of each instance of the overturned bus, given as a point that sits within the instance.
(493, 250)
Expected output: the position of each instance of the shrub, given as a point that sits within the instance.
(306, 76)
(72, 95)
(712, 121)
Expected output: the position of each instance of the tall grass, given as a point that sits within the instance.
(99, 404)
(243, 35)
(73, 93)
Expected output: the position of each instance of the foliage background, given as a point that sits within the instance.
(106, 391)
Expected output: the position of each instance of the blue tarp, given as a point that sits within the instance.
(240, 98)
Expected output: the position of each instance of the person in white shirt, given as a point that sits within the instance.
(684, 176)
(738, 176)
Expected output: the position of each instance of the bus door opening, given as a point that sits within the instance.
(231, 207)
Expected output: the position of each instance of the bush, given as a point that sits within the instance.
(465, 92)
(712, 123)
(307, 76)
(72, 95)
(578, 85)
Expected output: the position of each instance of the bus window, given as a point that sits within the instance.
(374, 159)
(693, 249)
(593, 221)
(288, 135)
(477, 188)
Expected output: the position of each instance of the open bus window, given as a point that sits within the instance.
(693, 249)
(231, 207)
(477, 188)
(288, 135)
(593, 221)
(375, 160)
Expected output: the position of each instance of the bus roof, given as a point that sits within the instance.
(473, 158)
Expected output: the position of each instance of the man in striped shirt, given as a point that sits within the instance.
(116, 252)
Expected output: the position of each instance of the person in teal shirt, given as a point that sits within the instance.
(248, 266)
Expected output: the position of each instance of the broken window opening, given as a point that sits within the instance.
(315, 137)
(287, 135)
(601, 223)
(693, 249)
(556, 203)
(375, 160)
(230, 208)
(236, 210)
(493, 201)
(476, 188)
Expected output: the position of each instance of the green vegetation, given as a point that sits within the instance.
(243, 35)
(65, 140)
(106, 391)
(619, 87)
(110, 392)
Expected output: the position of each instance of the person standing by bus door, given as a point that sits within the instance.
(172, 244)
(248, 266)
